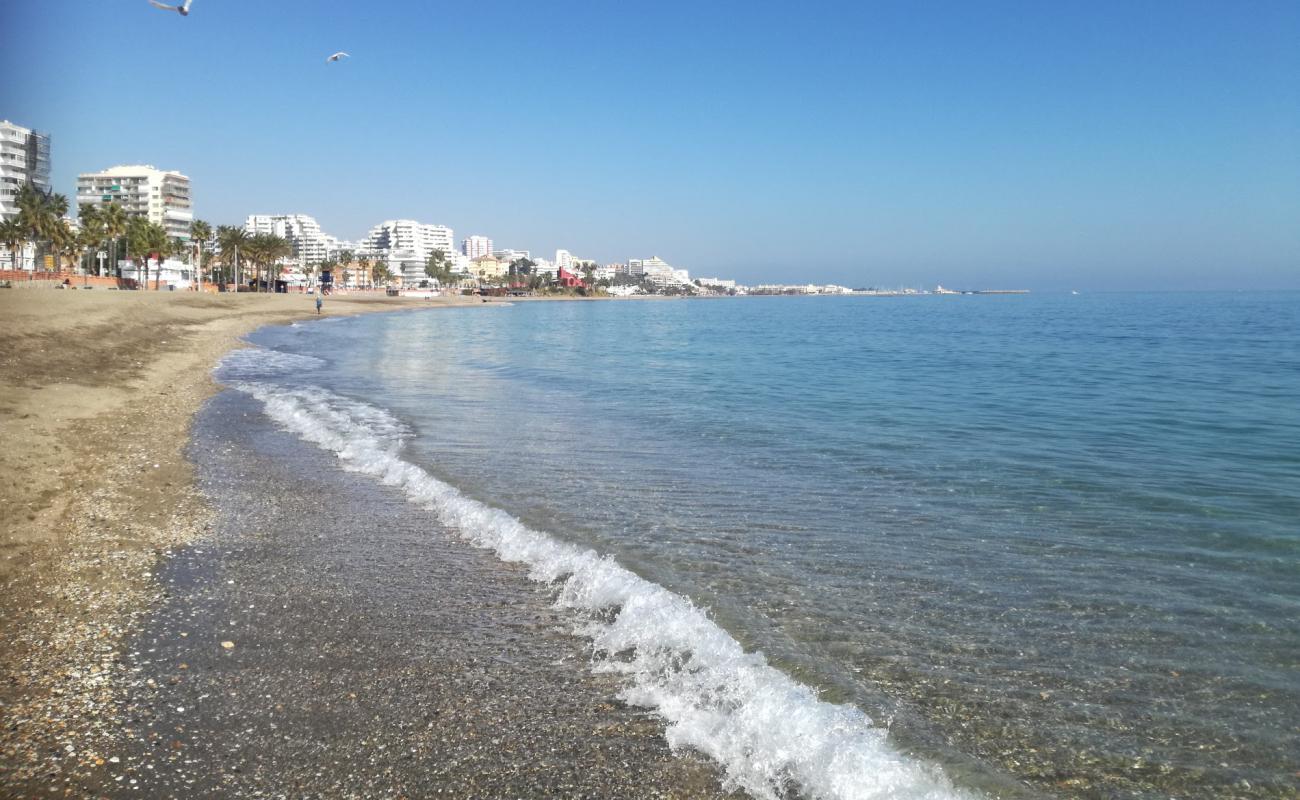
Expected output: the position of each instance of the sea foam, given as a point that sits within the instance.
(771, 735)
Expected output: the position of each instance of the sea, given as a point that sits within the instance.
(1040, 545)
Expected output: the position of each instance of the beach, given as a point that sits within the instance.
(98, 390)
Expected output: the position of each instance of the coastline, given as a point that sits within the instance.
(97, 394)
(106, 526)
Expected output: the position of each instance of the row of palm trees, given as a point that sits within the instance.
(41, 221)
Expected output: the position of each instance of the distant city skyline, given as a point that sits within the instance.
(1004, 145)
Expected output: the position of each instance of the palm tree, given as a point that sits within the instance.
(146, 238)
(345, 261)
(13, 236)
(200, 232)
(266, 250)
(40, 214)
(364, 264)
(232, 239)
(91, 234)
(382, 273)
(62, 239)
(114, 219)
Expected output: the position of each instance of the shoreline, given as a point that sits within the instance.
(100, 396)
(98, 391)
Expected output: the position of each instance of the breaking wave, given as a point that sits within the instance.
(772, 736)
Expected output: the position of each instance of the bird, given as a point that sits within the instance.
(183, 9)
(338, 56)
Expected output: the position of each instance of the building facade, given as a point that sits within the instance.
(409, 237)
(511, 255)
(475, 246)
(311, 245)
(24, 158)
(143, 191)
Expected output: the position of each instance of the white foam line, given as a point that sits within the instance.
(771, 734)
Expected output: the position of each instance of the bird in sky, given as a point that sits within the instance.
(184, 9)
(339, 56)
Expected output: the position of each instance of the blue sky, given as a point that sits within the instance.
(1088, 145)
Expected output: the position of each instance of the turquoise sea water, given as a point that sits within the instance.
(1050, 544)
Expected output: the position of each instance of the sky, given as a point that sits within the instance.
(1063, 145)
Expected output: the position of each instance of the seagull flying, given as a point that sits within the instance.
(340, 55)
(183, 9)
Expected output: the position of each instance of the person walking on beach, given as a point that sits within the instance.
(319, 302)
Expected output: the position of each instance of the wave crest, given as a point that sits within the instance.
(771, 735)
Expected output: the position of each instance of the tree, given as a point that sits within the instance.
(114, 220)
(364, 263)
(62, 240)
(13, 236)
(345, 261)
(200, 232)
(145, 238)
(41, 215)
(232, 239)
(266, 250)
(90, 236)
(437, 267)
(382, 273)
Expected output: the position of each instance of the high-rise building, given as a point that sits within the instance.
(24, 158)
(563, 259)
(311, 246)
(409, 236)
(476, 246)
(143, 191)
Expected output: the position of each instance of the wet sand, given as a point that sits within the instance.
(98, 390)
(326, 638)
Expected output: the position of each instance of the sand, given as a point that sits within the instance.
(153, 644)
(97, 392)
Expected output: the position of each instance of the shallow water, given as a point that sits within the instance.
(1052, 540)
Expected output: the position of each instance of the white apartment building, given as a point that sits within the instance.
(143, 191)
(716, 283)
(413, 238)
(564, 260)
(311, 246)
(408, 266)
(24, 158)
(648, 266)
(476, 247)
(510, 256)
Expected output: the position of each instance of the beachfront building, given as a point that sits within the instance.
(407, 237)
(716, 283)
(24, 158)
(488, 268)
(407, 266)
(310, 244)
(510, 256)
(654, 265)
(543, 268)
(160, 196)
(475, 246)
(563, 259)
